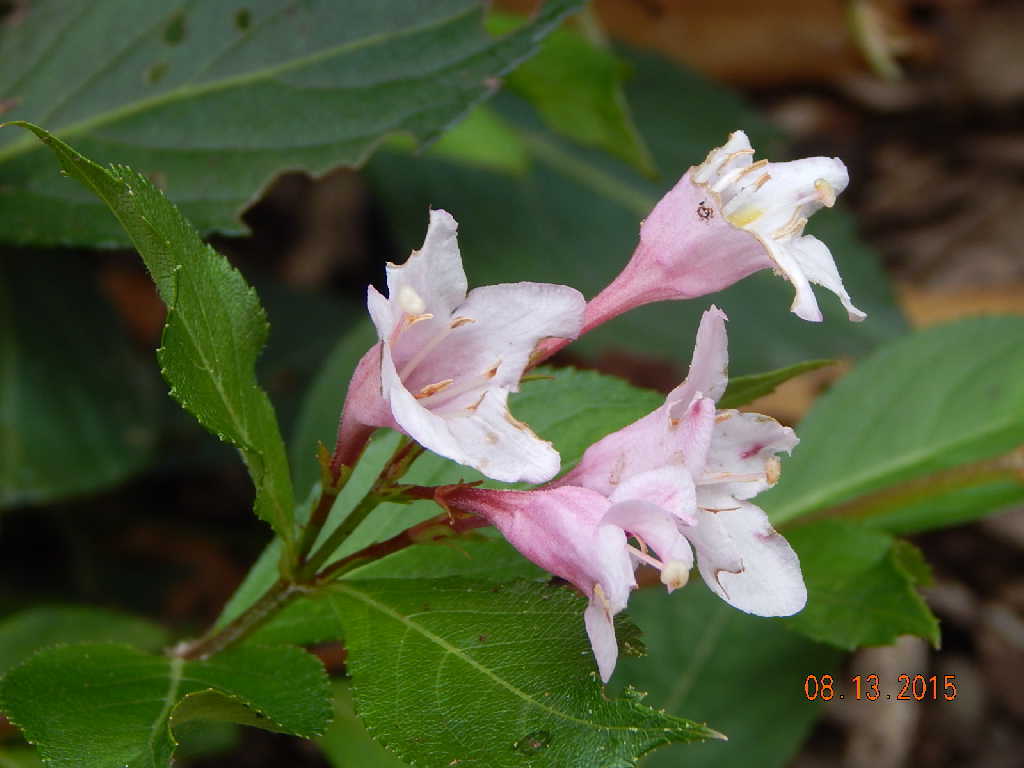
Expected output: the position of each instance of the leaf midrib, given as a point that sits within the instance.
(458, 653)
(186, 91)
(174, 670)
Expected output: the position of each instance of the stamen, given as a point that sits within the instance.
(772, 470)
(602, 599)
(431, 345)
(407, 322)
(752, 167)
(730, 157)
(645, 557)
(433, 389)
(794, 226)
(826, 192)
(466, 385)
(762, 181)
(719, 477)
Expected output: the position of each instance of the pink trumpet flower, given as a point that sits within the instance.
(579, 535)
(687, 449)
(724, 220)
(681, 476)
(447, 361)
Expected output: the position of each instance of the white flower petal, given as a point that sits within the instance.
(484, 436)
(493, 441)
(601, 630)
(709, 369)
(816, 263)
(741, 460)
(654, 526)
(747, 563)
(669, 488)
(432, 279)
(500, 326)
(380, 312)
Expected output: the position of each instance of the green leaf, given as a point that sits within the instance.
(918, 409)
(573, 217)
(19, 757)
(488, 675)
(215, 326)
(577, 88)
(77, 410)
(314, 620)
(860, 586)
(742, 673)
(482, 139)
(574, 409)
(213, 99)
(745, 389)
(346, 744)
(88, 706)
(25, 632)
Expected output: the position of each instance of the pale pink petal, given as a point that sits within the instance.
(432, 279)
(794, 190)
(746, 562)
(498, 328)
(687, 249)
(805, 305)
(381, 312)
(365, 409)
(670, 488)
(709, 367)
(815, 262)
(483, 435)
(654, 526)
(495, 442)
(601, 631)
(741, 461)
(558, 529)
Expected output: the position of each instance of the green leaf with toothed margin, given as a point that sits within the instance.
(93, 706)
(215, 327)
(212, 99)
(861, 586)
(454, 672)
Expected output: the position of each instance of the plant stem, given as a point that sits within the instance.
(305, 576)
(317, 520)
(274, 599)
(355, 518)
(383, 489)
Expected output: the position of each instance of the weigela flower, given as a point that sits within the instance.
(681, 476)
(447, 361)
(686, 449)
(726, 219)
(579, 535)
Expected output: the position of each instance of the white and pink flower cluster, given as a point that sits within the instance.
(677, 482)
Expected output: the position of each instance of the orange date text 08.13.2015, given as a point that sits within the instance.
(867, 687)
